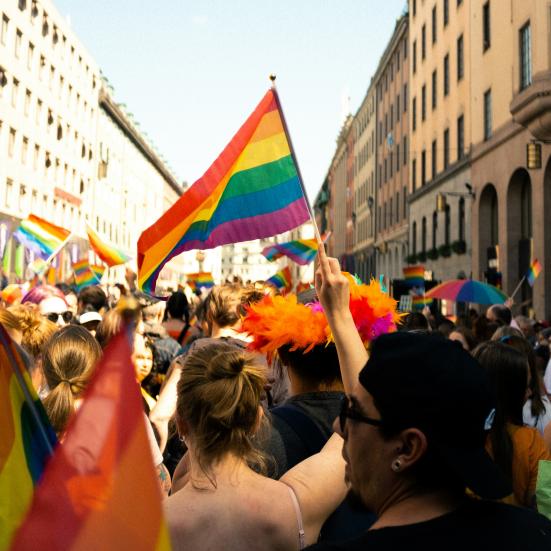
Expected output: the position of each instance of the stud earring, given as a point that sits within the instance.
(396, 465)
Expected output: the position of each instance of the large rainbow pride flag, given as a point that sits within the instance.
(253, 190)
(110, 254)
(40, 235)
(27, 439)
(100, 490)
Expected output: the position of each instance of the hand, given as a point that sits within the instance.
(332, 286)
(509, 303)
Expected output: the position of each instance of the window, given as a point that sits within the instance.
(404, 202)
(459, 2)
(486, 26)
(36, 156)
(434, 228)
(446, 148)
(414, 54)
(447, 224)
(397, 207)
(11, 142)
(423, 102)
(525, 57)
(460, 68)
(487, 114)
(414, 2)
(434, 25)
(434, 159)
(38, 112)
(41, 67)
(446, 12)
(405, 49)
(391, 164)
(446, 74)
(397, 157)
(460, 137)
(414, 114)
(18, 40)
(4, 29)
(461, 218)
(423, 167)
(391, 117)
(14, 92)
(30, 56)
(434, 89)
(398, 107)
(414, 174)
(414, 237)
(9, 191)
(24, 150)
(423, 42)
(22, 5)
(27, 102)
(405, 97)
(424, 235)
(405, 147)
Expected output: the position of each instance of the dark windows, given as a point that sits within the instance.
(434, 228)
(434, 24)
(414, 3)
(486, 40)
(446, 148)
(461, 218)
(423, 167)
(460, 66)
(423, 102)
(460, 137)
(398, 107)
(414, 237)
(414, 114)
(447, 225)
(446, 74)
(414, 54)
(434, 89)
(434, 159)
(525, 56)
(446, 12)
(424, 235)
(397, 157)
(405, 97)
(405, 147)
(423, 41)
(404, 201)
(414, 174)
(487, 114)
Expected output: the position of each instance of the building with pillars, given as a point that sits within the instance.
(68, 151)
(391, 82)
(441, 126)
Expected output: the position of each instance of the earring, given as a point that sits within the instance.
(396, 465)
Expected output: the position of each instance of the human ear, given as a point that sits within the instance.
(412, 447)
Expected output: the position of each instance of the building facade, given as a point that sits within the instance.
(391, 83)
(68, 151)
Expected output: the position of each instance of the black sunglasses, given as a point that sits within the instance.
(348, 412)
(54, 316)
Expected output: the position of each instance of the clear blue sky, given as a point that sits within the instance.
(191, 72)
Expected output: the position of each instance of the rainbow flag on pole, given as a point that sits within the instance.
(301, 251)
(44, 235)
(534, 271)
(26, 440)
(110, 254)
(100, 490)
(253, 190)
(84, 276)
(200, 279)
(415, 276)
(98, 270)
(282, 279)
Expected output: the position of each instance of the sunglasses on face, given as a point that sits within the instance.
(54, 316)
(348, 412)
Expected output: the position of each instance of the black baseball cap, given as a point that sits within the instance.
(431, 383)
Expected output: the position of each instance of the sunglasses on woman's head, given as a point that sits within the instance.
(54, 316)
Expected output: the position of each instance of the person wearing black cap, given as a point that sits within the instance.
(414, 430)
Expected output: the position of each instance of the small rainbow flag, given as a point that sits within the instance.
(415, 276)
(534, 271)
(99, 490)
(84, 276)
(301, 251)
(420, 301)
(200, 279)
(27, 438)
(301, 286)
(42, 234)
(282, 279)
(98, 270)
(253, 190)
(110, 254)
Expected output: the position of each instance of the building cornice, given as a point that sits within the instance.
(400, 30)
(500, 136)
(121, 120)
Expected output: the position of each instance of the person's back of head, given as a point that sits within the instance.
(69, 358)
(35, 328)
(218, 406)
(177, 306)
(108, 327)
(504, 331)
(445, 327)
(222, 305)
(500, 314)
(415, 321)
(92, 299)
(42, 292)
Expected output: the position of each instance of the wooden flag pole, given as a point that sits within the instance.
(517, 287)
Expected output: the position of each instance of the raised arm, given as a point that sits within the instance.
(333, 291)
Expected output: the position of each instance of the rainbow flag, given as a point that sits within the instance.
(301, 286)
(98, 270)
(37, 233)
(420, 301)
(415, 276)
(100, 490)
(38, 266)
(282, 279)
(12, 294)
(84, 276)
(301, 251)
(534, 271)
(110, 254)
(253, 190)
(26, 441)
(200, 279)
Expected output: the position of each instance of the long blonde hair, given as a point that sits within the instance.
(69, 358)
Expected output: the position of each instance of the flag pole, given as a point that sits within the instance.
(517, 287)
(53, 255)
(294, 157)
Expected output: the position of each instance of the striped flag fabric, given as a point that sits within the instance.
(415, 276)
(534, 271)
(12, 294)
(99, 490)
(84, 276)
(282, 279)
(110, 254)
(26, 442)
(301, 251)
(253, 190)
(35, 232)
(98, 270)
(420, 301)
(200, 279)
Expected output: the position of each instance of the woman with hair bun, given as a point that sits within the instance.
(226, 502)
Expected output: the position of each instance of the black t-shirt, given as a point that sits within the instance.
(476, 525)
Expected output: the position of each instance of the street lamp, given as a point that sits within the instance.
(533, 155)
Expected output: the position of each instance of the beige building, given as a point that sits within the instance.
(364, 128)
(510, 91)
(441, 126)
(68, 151)
(391, 83)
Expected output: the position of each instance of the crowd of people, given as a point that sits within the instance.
(280, 422)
